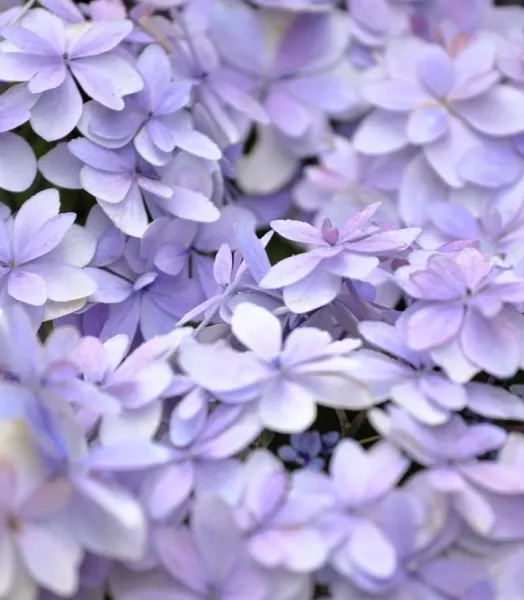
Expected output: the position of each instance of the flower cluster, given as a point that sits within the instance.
(261, 300)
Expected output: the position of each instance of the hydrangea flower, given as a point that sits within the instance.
(463, 314)
(287, 376)
(313, 279)
(410, 380)
(42, 255)
(53, 57)
(415, 91)
(307, 448)
(148, 289)
(154, 118)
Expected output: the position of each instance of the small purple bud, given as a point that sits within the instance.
(329, 233)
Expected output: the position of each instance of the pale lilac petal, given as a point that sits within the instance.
(317, 289)
(257, 329)
(291, 117)
(109, 187)
(290, 270)
(381, 133)
(27, 287)
(107, 78)
(492, 165)
(287, 407)
(17, 163)
(499, 112)
(60, 167)
(64, 282)
(395, 95)
(67, 100)
(490, 344)
(99, 37)
(433, 325)
(427, 124)
(436, 71)
(445, 154)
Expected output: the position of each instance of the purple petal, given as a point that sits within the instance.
(17, 163)
(67, 100)
(99, 37)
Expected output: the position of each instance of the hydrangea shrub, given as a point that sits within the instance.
(261, 300)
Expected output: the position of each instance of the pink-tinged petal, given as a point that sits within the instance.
(427, 124)
(499, 112)
(445, 153)
(98, 37)
(17, 163)
(65, 99)
(290, 270)
(291, 117)
(445, 393)
(395, 95)
(27, 287)
(436, 71)
(314, 291)
(258, 329)
(287, 407)
(107, 78)
(381, 133)
(490, 343)
(433, 325)
(60, 167)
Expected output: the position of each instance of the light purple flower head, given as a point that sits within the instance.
(313, 279)
(148, 289)
(42, 255)
(53, 57)
(464, 314)
(442, 101)
(285, 377)
(155, 119)
(410, 380)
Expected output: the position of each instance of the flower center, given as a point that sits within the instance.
(329, 233)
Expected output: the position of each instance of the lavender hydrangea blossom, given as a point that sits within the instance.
(52, 56)
(43, 253)
(158, 343)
